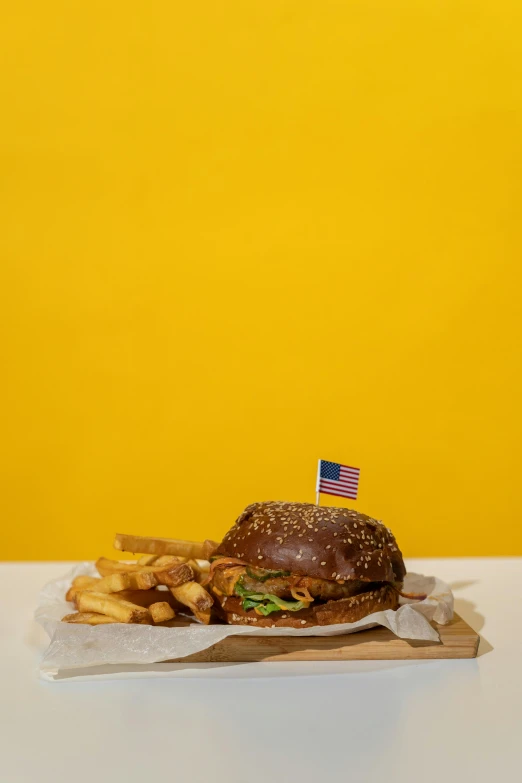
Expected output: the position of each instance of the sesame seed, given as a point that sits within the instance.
(284, 616)
(310, 539)
(314, 558)
(366, 565)
(260, 557)
(335, 534)
(298, 557)
(355, 525)
(303, 622)
(323, 562)
(334, 574)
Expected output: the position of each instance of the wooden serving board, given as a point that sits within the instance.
(457, 640)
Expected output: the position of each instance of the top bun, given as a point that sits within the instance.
(318, 541)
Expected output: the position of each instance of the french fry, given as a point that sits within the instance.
(158, 546)
(83, 581)
(111, 605)
(164, 560)
(209, 547)
(114, 583)
(174, 577)
(105, 567)
(161, 611)
(141, 581)
(200, 567)
(88, 618)
(145, 560)
(135, 580)
(71, 594)
(197, 599)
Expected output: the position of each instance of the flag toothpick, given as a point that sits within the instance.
(336, 479)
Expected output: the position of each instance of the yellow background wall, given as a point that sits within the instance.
(239, 236)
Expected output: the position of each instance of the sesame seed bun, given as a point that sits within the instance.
(317, 541)
(344, 610)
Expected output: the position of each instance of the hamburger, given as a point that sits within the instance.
(296, 565)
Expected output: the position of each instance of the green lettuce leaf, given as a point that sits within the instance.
(266, 603)
(263, 574)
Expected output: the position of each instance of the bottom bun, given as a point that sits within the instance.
(345, 610)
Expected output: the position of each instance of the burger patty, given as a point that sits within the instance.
(225, 579)
(346, 610)
(318, 588)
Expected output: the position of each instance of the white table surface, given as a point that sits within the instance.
(243, 723)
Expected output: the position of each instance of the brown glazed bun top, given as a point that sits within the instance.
(318, 541)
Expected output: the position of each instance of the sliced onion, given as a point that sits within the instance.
(301, 594)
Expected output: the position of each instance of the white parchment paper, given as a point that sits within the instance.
(75, 646)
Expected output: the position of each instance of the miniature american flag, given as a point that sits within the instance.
(336, 479)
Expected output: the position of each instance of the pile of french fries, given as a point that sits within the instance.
(165, 580)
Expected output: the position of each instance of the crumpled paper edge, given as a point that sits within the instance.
(81, 646)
